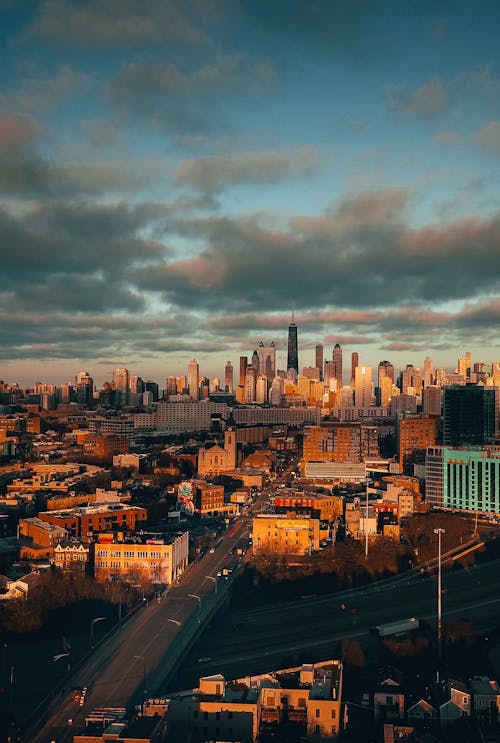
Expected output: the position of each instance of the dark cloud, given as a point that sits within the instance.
(426, 102)
(213, 174)
(185, 101)
(38, 89)
(123, 22)
(489, 137)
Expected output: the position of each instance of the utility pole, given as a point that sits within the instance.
(439, 613)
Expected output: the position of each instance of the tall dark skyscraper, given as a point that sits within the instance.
(293, 349)
(337, 365)
(469, 415)
(354, 364)
(319, 359)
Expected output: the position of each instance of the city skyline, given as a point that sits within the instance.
(177, 176)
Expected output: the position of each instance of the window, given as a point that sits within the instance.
(334, 714)
(302, 702)
(318, 713)
(389, 700)
(317, 729)
(205, 715)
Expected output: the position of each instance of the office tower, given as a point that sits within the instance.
(463, 479)
(337, 364)
(228, 377)
(204, 388)
(250, 384)
(194, 380)
(428, 371)
(431, 400)
(402, 403)
(66, 390)
(255, 362)
(440, 377)
(215, 385)
(84, 388)
(261, 389)
(267, 360)
(181, 384)
(311, 372)
(319, 359)
(171, 386)
(293, 350)
(354, 366)
(329, 371)
(277, 391)
(385, 371)
(495, 373)
(469, 415)
(243, 369)
(136, 385)
(120, 379)
(386, 390)
(363, 387)
(411, 381)
(152, 387)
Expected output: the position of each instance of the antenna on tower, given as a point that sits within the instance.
(293, 313)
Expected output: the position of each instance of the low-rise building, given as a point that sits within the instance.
(287, 535)
(84, 521)
(71, 556)
(148, 560)
(308, 698)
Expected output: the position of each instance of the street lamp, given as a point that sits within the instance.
(439, 531)
(56, 658)
(141, 657)
(366, 519)
(92, 622)
(179, 625)
(198, 599)
(210, 577)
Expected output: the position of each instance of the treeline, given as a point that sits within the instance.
(55, 599)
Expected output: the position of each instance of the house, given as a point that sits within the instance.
(389, 698)
(454, 701)
(422, 711)
(485, 698)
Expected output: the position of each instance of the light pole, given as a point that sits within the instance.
(198, 599)
(439, 531)
(92, 622)
(179, 625)
(366, 520)
(141, 657)
(210, 577)
(55, 658)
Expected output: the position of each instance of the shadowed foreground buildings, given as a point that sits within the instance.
(306, 698)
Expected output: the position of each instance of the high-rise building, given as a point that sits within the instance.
(136, 385)
(337, 364)
(469, 415)
(267, 360)
(120, 379)
(250, 384)
(228, 377)
(411, 381)
(354, 366)
(171, 386)
(152, 387)
(385, 371)
(261, 389)
(194, 380)
(293, 351)
(243, 369)
(255, 362)
(84, 388)
(463, 479)
(428, 372)
(319, 359)
(414, 434)
(431, 400)
(363, 387)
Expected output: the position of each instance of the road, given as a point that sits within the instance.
(137, 659)
(263, 637)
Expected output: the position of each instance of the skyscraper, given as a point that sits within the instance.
(243, 369)
(469, 415)
(319, 359)
(354, 365)
(363, 390)
(293, 352)
(385, 369)
(267, 360)
(228, 377)
(120, 379)
(428, 371)
(194, 380)
(337, 365)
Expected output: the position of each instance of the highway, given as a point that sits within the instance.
(262, 637)
(136, 660)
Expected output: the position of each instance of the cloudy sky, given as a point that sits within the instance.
(176, 175)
